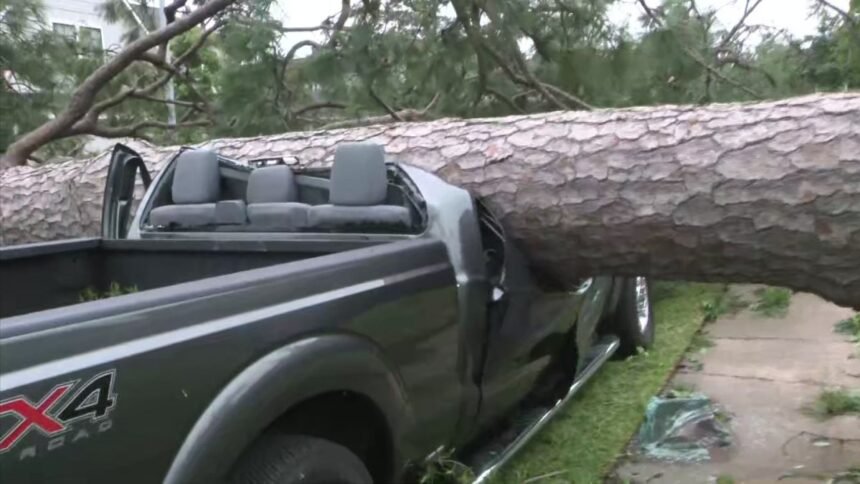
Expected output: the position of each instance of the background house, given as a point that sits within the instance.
(82, 21)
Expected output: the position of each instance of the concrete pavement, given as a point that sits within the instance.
(763, 372)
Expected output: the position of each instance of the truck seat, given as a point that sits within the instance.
(272, 199)
(195, 189)
(359, 188)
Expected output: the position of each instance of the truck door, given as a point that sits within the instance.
(528, 321)
(127, 181)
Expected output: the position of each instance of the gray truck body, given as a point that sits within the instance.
(229, 334)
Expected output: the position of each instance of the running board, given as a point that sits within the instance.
(536, 420)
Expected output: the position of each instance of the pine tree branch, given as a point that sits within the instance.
(697, 58)
(404, 115)
(345, 10)
(842, 13)
(740, 23)
(528, 78)
(505, 99)
(318, 106)
(382, 103)
(134, 130)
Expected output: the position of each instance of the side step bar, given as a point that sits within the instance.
(598, 355)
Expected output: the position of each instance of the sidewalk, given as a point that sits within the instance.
(763, 371)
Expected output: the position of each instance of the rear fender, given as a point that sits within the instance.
(272, 385)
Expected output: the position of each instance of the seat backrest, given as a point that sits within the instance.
(272, 184)
(358, 176)
(196, 178)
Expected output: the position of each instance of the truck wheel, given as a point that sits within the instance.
(294, 459)
(633, 321)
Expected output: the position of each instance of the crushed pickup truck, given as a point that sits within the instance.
(338, 325)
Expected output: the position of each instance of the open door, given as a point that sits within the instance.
(121, 196)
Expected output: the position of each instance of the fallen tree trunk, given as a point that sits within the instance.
(764, 192)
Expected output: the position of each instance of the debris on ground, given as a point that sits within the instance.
(682, 427)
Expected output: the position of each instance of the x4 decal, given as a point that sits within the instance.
(93, 400)
(32, 416)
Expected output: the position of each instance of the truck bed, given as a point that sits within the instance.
(380, 319)
(51, 275)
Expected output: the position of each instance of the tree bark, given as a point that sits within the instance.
(760, 192)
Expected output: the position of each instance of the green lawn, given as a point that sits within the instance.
(581, 445)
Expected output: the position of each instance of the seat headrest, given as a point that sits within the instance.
(358, 176)
(272, 184)
(196, 178)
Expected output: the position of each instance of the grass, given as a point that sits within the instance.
(700, 342)
(833, 402)
(851, 328)
(850, 476)
(583, 443)
(726, 303)
(725, 479)
(772, 302)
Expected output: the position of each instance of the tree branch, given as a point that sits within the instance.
(530, 80)
(404, 115)
(317, 106)
(339, 24)
(734, 30)
(133, 130)
(170, 10)
(84, 96)
(842, 13)
(382, 103)
(732, 59)
(697, 58)
(505, 99)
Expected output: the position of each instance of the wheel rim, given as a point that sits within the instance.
(643, 309)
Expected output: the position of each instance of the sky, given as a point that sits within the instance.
(792, 15)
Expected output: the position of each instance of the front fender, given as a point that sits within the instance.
(276, 382)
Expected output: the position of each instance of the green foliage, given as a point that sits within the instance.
(836, 401)
(401, 54)
(725, 479)
(849, 326)
(661, 290)
(32, 60)
(849, 476)
(772, 301)
(115, 289)
(728, 303)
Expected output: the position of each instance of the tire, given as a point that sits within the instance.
(633, 321)
(297, 459)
